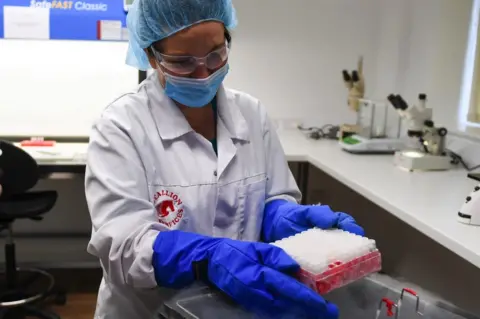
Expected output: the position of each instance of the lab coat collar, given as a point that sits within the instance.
(231, 116)
(171, 122)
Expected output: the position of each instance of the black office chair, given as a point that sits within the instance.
(18, 174)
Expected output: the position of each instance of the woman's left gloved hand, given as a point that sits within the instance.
(283, 219)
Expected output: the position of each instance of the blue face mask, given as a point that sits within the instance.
(194, 92)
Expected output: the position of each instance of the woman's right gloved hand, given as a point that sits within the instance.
(255, 275)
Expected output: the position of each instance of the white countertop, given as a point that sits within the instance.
(428, 201)
(60, 154)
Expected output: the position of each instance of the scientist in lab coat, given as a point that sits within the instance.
(185, 177)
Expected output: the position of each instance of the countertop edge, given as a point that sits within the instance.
(431, 232)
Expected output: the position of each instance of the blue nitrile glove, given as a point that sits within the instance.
(282, 219)
(255, 275)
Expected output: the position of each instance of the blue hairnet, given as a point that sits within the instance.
(149, 21)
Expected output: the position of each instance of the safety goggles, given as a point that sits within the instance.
(185, 65)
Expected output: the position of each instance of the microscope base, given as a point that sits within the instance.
(414, 160)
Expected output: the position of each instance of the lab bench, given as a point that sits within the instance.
(412, 216)
(406, 252)
(427, 201)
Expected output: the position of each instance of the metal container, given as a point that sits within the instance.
(359, 300)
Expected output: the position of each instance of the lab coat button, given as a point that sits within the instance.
(214, 173)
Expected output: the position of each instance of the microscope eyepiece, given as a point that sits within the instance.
(428, 123)
(401, 102)
(346, 76)
(393, 100)
(355, 77)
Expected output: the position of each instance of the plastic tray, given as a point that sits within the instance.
(358, 300)
(340, 274)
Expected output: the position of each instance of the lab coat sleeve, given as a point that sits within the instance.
(280, 183)
(123, 218)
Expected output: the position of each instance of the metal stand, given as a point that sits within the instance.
(393, 309)
(10, 261)
(15, 302)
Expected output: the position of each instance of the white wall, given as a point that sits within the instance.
(290, 54)
(287, 53)
(434, 55)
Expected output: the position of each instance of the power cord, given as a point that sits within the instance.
(457, 159)
(328, 131)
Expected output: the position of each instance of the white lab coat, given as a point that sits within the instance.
(148, 171)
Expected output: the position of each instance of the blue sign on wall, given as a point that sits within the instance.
(77, 19)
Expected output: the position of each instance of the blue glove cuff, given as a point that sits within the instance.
(269, 219)
(179, 257)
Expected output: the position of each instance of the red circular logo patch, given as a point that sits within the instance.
(169, 208)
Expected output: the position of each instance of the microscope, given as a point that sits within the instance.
(470, 211)
(429, 152)
(433, 156)
(415, 116)
(355, 84)
(371, 134)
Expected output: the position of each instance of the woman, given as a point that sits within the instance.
(185, 177)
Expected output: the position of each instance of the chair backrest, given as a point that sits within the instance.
(18, 170)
